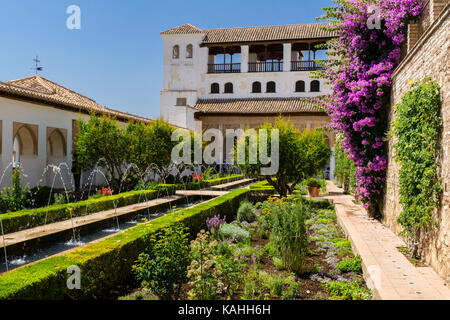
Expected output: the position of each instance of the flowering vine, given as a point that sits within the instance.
(367, 54)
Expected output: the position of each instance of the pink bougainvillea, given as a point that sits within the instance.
(360, 78)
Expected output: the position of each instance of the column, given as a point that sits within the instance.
(287, 57)
(7, 153)
(244, 58)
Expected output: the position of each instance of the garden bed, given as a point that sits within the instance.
(239, 267)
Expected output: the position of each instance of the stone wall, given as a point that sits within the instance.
(427, 57)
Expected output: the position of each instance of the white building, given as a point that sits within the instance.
(238, 77)
(38, 123)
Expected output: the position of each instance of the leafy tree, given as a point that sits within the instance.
(301, 155)
(101, 142)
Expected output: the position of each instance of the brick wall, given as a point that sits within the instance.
(428, 57)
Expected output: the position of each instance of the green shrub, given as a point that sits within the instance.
(350, 265)
(14, 198)
(289, 235)
(246, 212)
(234, 232)
(211, 274)
(106, 264)
(313, 183)
(347, 291)
(164, 268)
(278, 263)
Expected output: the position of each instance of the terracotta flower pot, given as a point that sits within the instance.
(313, 191)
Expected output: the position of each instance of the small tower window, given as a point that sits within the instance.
(300, 86)
(270, 87)
(315, 86)
(228, 87)
(181, 102)
(215, 88)
(189, 51)
(256, 87)
(176, 52)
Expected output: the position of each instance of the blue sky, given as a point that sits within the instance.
(116, 57)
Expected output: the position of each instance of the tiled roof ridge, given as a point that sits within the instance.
(73, 100)
(268, 26)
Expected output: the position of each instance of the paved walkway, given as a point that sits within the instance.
(388, 272)
(231, 185)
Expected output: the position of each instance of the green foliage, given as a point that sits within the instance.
(106, 264)
(313, 182)
(164, 269)
(347, 291)
(289, 235)
(301, 155)
(14, 198)
(418, 126)
(234, 232)
(350, 265)
(345, 169)
(126, 153)
(101, 142)
(246, 212)
(210, 272)
(263, 285)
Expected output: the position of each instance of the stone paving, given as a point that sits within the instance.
(388, 273)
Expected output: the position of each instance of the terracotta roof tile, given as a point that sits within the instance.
(289, 32)
(255, 106)
(184, 29)
(41, 89)
(265, 33)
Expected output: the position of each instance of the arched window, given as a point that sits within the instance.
(56, 144)
(215, 88)
(300, 86)
(270, 87)
(189, 52)
(175, 52)
(256, 87)
(315, 86)
(228, 87)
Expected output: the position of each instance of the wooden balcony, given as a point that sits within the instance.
(305, 66)
(265, 66)
(224, 68)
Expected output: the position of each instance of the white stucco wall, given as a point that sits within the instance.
(188, 78)
(42, 116)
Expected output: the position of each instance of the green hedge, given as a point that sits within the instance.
(26, 219)
(107, 263)
(209, 183)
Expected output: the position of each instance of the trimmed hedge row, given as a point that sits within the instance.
(26, 219)
(107, 263)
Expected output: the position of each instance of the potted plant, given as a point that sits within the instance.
(313, 187)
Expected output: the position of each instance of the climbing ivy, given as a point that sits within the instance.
(417, 126)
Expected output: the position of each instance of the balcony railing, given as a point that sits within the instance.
(305, 66)
(265, 66)
(224, 68)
